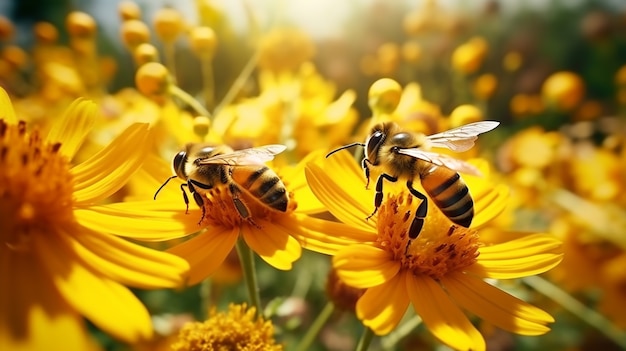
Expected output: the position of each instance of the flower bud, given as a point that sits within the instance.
(80, 25)
(152, 79)
(168, 24)
(129, 10)
(203, 41)
(384, 96)
(134, 32)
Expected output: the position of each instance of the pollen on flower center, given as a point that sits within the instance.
(220, 209)
(441, 246)
(35, 185)
(238, 329)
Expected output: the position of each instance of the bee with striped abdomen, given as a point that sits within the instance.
(206, 166)
(402, 155)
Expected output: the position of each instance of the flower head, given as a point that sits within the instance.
(440, 272)
(238, 329)
(47, 248)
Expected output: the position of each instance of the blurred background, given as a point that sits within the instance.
(553, 72)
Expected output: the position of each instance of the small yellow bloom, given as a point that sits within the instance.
(441, 272)
(168, 24)
(512, 61)
(55, 267)
(485, 86)
(469, 56)
(237, 329)
(563, 90)
(285, 49)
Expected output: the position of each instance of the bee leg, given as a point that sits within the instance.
(420, 214)
(241, 207)
(196, 197)
(185, 197)
(378, 199)
(366, 169)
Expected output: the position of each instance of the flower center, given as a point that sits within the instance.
(35, 186)
(222, 210)
(237, 329)
(440, 247)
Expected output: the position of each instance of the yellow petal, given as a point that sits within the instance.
(108, 170)
(206, 252)
(147, 221)
(294, 179)
(323, 236)
(382, 307)
(489, 205)
(33, 315)
(496, 306)
(73, 127)
(529, 255)
(342, 199)
(273, 244)
(126, 262)
(441, 315)
(365, 266)
(6, 108)
(109, 305)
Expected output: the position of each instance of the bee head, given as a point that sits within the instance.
(373, 145)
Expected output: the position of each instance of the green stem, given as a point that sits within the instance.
(208, 82)
(245, 73)
(366, 339)
(170, 62)
(246, 256)
(391, 339)
(571, 304)
(205, 297)
(190, 101)
(316, 327)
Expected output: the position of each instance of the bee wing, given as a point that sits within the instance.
(252, 156)
(461, 138)
(442, 160)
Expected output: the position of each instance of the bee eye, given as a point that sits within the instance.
(373, 144)
(179, 163)
(401, 139)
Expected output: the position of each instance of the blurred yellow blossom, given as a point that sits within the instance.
(563, 90)
(469, 56)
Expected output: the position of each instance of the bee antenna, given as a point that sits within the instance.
(164, 184)
(345, 147)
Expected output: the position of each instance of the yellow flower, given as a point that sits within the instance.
(441, 273)
(239, 329)
(54, 268)
(285, 49)
(275, 236)
(469, 56)
(563, 90)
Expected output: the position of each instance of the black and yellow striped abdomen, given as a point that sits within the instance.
(449, 192)
(262, 183)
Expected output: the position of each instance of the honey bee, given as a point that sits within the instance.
(206, 166)
(402, 155)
